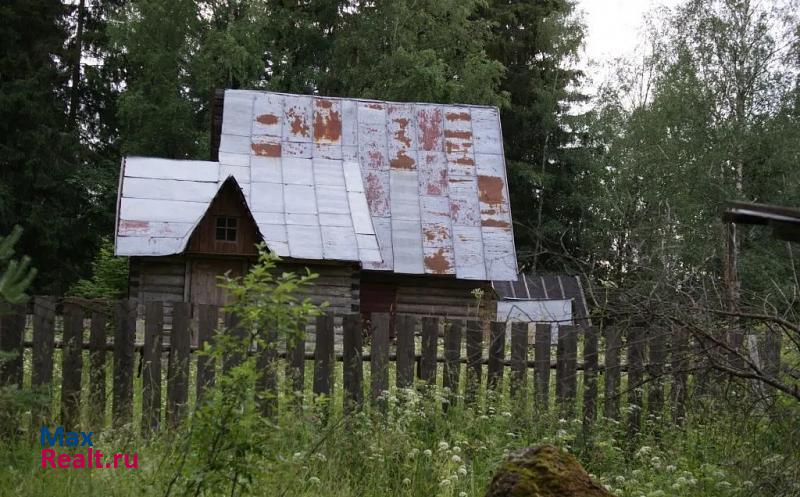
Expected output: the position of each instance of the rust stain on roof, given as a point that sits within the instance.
(437, 262)
(266, 149)
(400, 134)
(133, 226)
(435, 232)
(458, 116)
(297, 122)
(327, 122)
(465, 161)
(464, 135)
(430, 126)
(267, 119)
(491, 189)
(374, 105)
(376, 196)
(495, 223)
(402, 161)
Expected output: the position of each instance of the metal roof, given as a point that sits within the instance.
(784, 221)
(546, 287)
(403, 187)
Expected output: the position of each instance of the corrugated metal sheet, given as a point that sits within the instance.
(405, 187)
(556, 287)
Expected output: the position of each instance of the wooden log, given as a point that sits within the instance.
(541, 365)
(178, 365)
(681, 363)
(207, 319)
(124, 336)
(497, 351)
(379, 366)
(452, 357)
(405, 329)
(233, 328)
(636, 359)
(98, 348)
(474, 362)
(519, 360)
(151, 366)
(352, 363)
(612, 373)
(590, 344)
(657, 348)
(12, 328)
(43, 340)
(323, 355)
(71, 367)
(430, 336)
(267, 380)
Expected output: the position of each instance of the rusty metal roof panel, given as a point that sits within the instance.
(411, 188)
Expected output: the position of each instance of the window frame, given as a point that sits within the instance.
(229, 225)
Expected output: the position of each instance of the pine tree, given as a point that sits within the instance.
(15, 275)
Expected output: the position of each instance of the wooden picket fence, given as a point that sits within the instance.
(653, 361)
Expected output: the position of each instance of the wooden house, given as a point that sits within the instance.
(399, 207)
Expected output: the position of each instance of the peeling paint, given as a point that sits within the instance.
(495, 223)
(327, 122)
(266, 149)
(430, 128)
(458, 116)
(437, 262)
(377, 197)
(400, 135)
(491, 189)
(464, 135)
(403, 161)
(267, 119)
(297, 122)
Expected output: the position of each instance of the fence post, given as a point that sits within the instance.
(151, 366)
(519, 359)
(452, 358)
(406, 326)
(267, 381)
(43, 340)
(474, 360)
(97, 373)
(12, 328)
(323, 355)
(352, 363)
(636, 351)
(71, 366)
(589, 376)
(566, 369)
(430, 336)
(233, 328)
(680, 373)
(296, 369)
(379, 365)
(178, 366)
(541, 365)
(207, 319)
(657, 344)
(497, 351)
(124, 335)
(612, 373)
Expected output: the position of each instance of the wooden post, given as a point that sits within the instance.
(430, 336)
(151, 366)
(657, 340)
(567, 371)
(680, 373)
(497, 351)
(178, 366)
(589, 376)
(474, 360)
(379, 365)
(452, 357)
(296, 369)
(233, 328)
(612, 373)
(772, 352)
(541, 365)
(267, 381)
(323, 355)
(97, 372)
(406, 325)
(12, 328)
(124, 336)
(519, 359)
(43, 340)
(352, 363)
(71, 366)
(207, 319)
(636, 351)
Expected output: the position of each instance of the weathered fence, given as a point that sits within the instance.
(635, 365)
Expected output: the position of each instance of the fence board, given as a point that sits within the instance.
(267, 381)
(567, 372)
(296, 368)
(406, 326)
(474, 360)
(323, 355)
(178, 366)
(124, 335)
(71, 367)
(233, 328)
(519, 359)
(541, 365)
(452, 357)
(12, 326)
(207, 319)
(612, 373)
(657, 345)
(497, 351)
(352, 363)
(636, 355)
(379, 365)
(98, 349)
(589, 375)
(151, 366)
(44, 332)
(430, 336)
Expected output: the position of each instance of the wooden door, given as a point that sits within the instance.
(205, 280)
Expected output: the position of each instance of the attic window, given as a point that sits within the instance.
(226, 229)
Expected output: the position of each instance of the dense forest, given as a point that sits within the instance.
(621, 180)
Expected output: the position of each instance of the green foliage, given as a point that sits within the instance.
(109, 278)
(15, 276)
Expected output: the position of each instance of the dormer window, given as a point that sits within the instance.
(226, 229)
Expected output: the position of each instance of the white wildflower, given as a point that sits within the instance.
(455, 459)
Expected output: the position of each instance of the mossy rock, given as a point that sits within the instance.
(544, 471)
